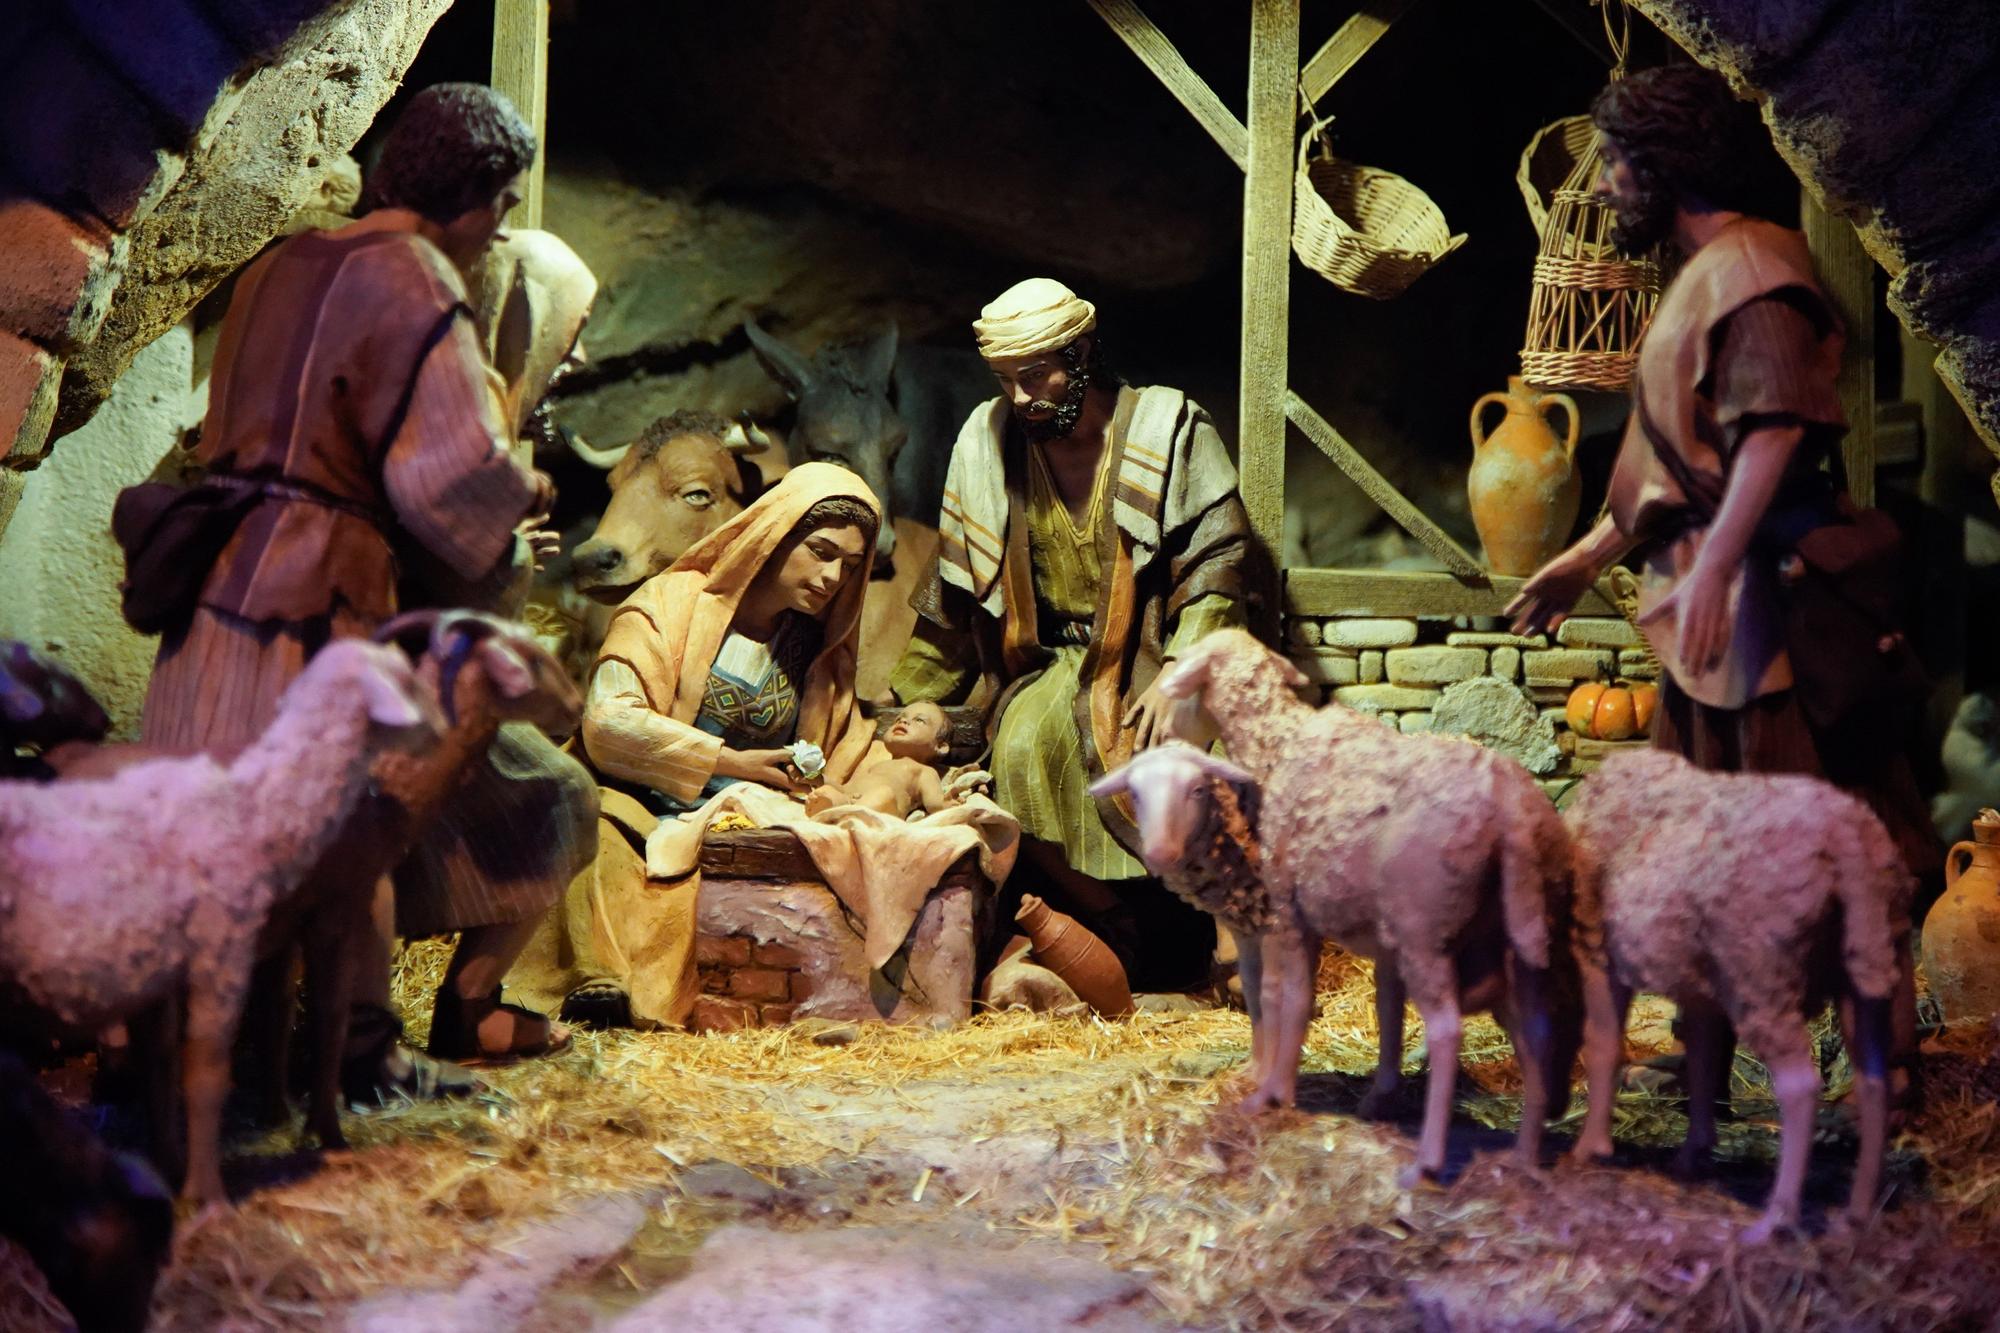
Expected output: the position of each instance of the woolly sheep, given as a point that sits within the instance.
(1750, 900)
(1440, 860)
(115, 892)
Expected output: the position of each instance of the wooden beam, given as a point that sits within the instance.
(1151, 45)
(1267, 260)
(1379, 592)
(1348, 44)
(1587, 26)
(521, 70)
(1378, 488)
(1848, 275)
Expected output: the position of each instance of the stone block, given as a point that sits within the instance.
(1368, 633)
(166, 49)
(1471, 638)
(1498, 715)
(1328, 667)
(778, 955)
(1638, 664)
(1385, 698)
(1505, 663)
(1371, 667)
(760, 983)
(773, 1015)
(94, 145)
(1434, 665)
(932, 977)
(56, 274)
(1412, 723)
(29, 378)
(712, 1013)
(722, 950)
(1549, 696)
(1596, 632)
(1304, 633)
(714, 981)
(1555, 666)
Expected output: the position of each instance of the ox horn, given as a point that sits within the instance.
(591, 454)
(745, 436)
(458, 633)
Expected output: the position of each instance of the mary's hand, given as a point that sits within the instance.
(967, 780)
(768, 768)
(1147, 717)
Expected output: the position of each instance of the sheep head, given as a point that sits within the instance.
(394, 698)
(1168, 788)
(516, 681)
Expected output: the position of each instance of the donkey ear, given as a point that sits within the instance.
(878, 363)
(779, 360)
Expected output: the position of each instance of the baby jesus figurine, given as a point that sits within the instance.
(917, 741)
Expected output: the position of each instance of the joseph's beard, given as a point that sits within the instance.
(1643, 226)
(1061, 417)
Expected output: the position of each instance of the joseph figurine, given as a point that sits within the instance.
(1090, 531)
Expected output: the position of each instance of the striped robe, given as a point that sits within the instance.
(1068, 627)
(349, 366)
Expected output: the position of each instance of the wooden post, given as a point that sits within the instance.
(1848, 275)
(521, 70)
(1267, 257)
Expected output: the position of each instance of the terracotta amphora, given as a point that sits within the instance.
(1523, 484)
(1065, 947)
(1962, 932)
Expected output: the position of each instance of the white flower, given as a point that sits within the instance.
(807, 758)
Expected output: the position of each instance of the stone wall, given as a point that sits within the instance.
(151, 147)
(62, 568)
(1503, 690)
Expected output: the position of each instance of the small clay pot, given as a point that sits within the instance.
(1066, 948)
(1961, 936)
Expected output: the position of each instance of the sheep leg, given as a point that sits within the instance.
(1390, 997)
(1286, 981)
(1250, 967)
(155, 1043)
(333, 937)
(1710, 1050)
(1436, 993)
(1527, 1020)
(273, 1000)
(1868, 1025)
(214, 1007)
(1795, 1077)
(1605, 1004)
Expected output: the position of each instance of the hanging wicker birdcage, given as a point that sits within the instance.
(1590, 303)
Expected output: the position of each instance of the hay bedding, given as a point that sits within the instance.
(1018, 1129)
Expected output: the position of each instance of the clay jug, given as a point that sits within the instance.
(1066, 948)
(1962, 932)
(1523, 484)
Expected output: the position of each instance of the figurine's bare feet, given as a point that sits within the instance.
(1590, 1150)
(822, 799)
(1416, 1176)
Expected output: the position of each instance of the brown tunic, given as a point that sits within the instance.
(348, 371)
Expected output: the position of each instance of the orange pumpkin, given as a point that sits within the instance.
(1601, 712)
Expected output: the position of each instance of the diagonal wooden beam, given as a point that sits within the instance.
(1151, 45)
(1348, 44)
(1377, 488)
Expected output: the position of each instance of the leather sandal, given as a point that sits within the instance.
(597, 1004)
(455, 1023)
(378, 1068)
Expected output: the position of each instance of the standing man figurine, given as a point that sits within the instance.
(1090, 530)
(1724, 465)
(352, 406)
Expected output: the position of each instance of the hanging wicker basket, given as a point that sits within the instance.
(1365, 230)
(1590, 304)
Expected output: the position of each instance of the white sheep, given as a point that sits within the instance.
(115, 893)
(1750, 900)
(1437, 858)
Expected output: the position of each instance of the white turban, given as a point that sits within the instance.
(1038, 315)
